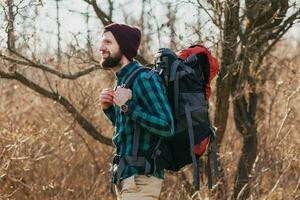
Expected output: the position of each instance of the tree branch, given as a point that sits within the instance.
(287, 24)
(48, 68)
(82, 121)
(209, 15)
(105, 19)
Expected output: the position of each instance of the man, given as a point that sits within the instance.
(141, 112)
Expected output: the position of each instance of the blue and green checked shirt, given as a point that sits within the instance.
(148, 107)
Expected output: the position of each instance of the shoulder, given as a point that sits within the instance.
(149, 74)
(148, 80)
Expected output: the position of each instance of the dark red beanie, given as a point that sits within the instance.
(128, 38)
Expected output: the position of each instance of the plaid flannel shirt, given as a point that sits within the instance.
(149, 108)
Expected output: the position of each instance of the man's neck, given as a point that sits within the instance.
(124, 61)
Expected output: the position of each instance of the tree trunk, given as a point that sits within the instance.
(244, 106)
(89, 39)
(171, 15)
(255, 43)
(58, 33)
(11, 39)
(248, 131)
(231, 26)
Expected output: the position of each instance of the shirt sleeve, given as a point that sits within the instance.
(153, 111)
(110, 114)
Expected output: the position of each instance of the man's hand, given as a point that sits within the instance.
(106, 98)
(122, 95)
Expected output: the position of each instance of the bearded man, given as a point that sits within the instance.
(140, 114)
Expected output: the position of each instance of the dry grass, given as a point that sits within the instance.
(45, 155)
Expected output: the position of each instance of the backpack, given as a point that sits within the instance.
(187, 76)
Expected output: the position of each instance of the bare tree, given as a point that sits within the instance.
(255, 33)
(88, 39)
(229, 49)
(105, 18)
(247, 34)
(35, 36)
(10, 17)
(142, 25)
(17, 59)
(171, 15)
(58, 32)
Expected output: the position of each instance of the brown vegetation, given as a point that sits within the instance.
(55, 141)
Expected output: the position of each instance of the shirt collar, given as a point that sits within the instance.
(126, 70)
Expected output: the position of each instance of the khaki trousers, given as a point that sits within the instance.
(139, 187)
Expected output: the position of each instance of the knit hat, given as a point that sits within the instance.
(128, 38)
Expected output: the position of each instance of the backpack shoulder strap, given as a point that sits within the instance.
(129, 81)
(134, 159)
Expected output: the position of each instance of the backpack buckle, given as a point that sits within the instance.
(122, 85)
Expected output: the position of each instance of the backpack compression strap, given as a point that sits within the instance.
(212, 153)
(195, 160)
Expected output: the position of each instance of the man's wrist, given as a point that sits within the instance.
(124, 108)
(106, 107)
(127, 106)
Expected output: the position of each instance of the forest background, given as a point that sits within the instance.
(55, 142)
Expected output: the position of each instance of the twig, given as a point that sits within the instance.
(84, 141)
(10, 195)
(82, 121)
(19, 181)
(105, 19)
(242, 191)
(296, 189)
(277, 182)
(209, 15)
(50, 69)
(288, 110)
(48, 81)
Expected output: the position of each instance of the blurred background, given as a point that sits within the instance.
(55, 142)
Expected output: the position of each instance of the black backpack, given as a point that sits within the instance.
(185, 82)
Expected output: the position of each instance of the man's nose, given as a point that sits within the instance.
(102, 48)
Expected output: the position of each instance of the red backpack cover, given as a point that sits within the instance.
(214, 66)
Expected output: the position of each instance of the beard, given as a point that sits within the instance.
(112, 60)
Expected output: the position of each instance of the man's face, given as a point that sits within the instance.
(110, 51)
